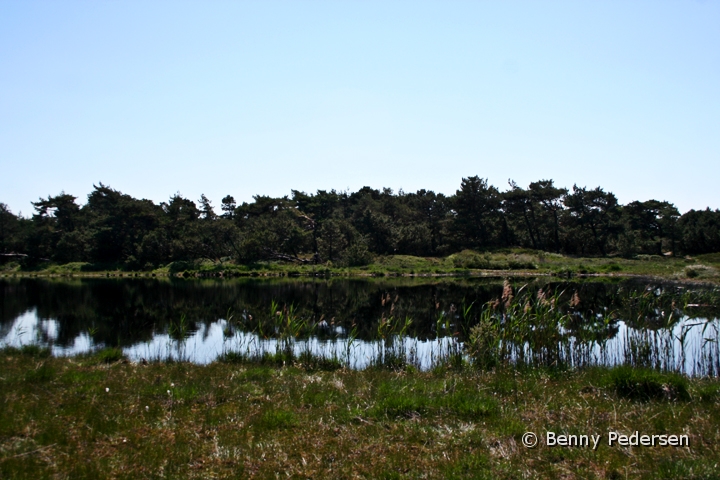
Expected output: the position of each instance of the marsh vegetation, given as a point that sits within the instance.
(377, 378)
(86, 418)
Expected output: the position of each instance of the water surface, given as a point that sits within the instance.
(421, 320)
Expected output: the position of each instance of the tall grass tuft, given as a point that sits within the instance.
(644, 384)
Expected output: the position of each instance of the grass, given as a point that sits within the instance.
(83, 418)
(644, 384)
(517, 261)
(700, 271)
(109, 355)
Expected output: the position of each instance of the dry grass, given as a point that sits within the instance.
(81, 418)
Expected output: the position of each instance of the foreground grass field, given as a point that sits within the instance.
(94, 417)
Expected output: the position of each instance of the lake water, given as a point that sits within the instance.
(364, 321)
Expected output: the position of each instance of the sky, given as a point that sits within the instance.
(251, 98)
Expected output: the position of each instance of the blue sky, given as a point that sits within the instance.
(246, 98)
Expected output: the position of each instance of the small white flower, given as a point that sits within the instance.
(169, 392)
(107, 390)
(147, 409)
(172, 385)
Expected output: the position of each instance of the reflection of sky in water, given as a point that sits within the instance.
(28, 328)
(690, 346)
(205, 345)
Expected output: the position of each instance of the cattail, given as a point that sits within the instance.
(575, 300)
(541, 296)
(507, 294)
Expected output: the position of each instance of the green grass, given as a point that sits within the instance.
(109, 355)
(644, 384)
(517, 261)
(81, 418)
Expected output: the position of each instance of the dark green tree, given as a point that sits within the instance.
(700, 231)
(273, 229)
(182, 224)
(477, 214)
(10, 229)
(431, 214)
(649, 227)
(117, 224)
(228, 207)
(548, 207)
(331, 241)
(595, 215)
(57, 233)
(116, 230)
(519, 211)
(206, 209)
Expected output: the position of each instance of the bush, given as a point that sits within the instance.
(644, 384)
(709, 393)
(35, 351)
(699, 271)
(311, 362)
(521, 262)
(483, 343)
(470, 259)
(110, 355)
(358, 255)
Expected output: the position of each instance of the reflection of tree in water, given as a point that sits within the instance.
(125, 312)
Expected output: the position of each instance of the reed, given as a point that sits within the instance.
(523, 327)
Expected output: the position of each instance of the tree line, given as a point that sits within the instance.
(113, 229)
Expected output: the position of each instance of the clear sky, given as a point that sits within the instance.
(246, 98)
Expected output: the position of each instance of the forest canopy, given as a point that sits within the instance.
(348, 228)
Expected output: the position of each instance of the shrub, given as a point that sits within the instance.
(470, 259)
(358, 255)
(699, 271)
(35, 351)
(110, 355)
(483, 343)
(644, 384)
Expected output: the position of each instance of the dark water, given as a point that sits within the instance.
(660, 325)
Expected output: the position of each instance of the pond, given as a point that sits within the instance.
(362, 322)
